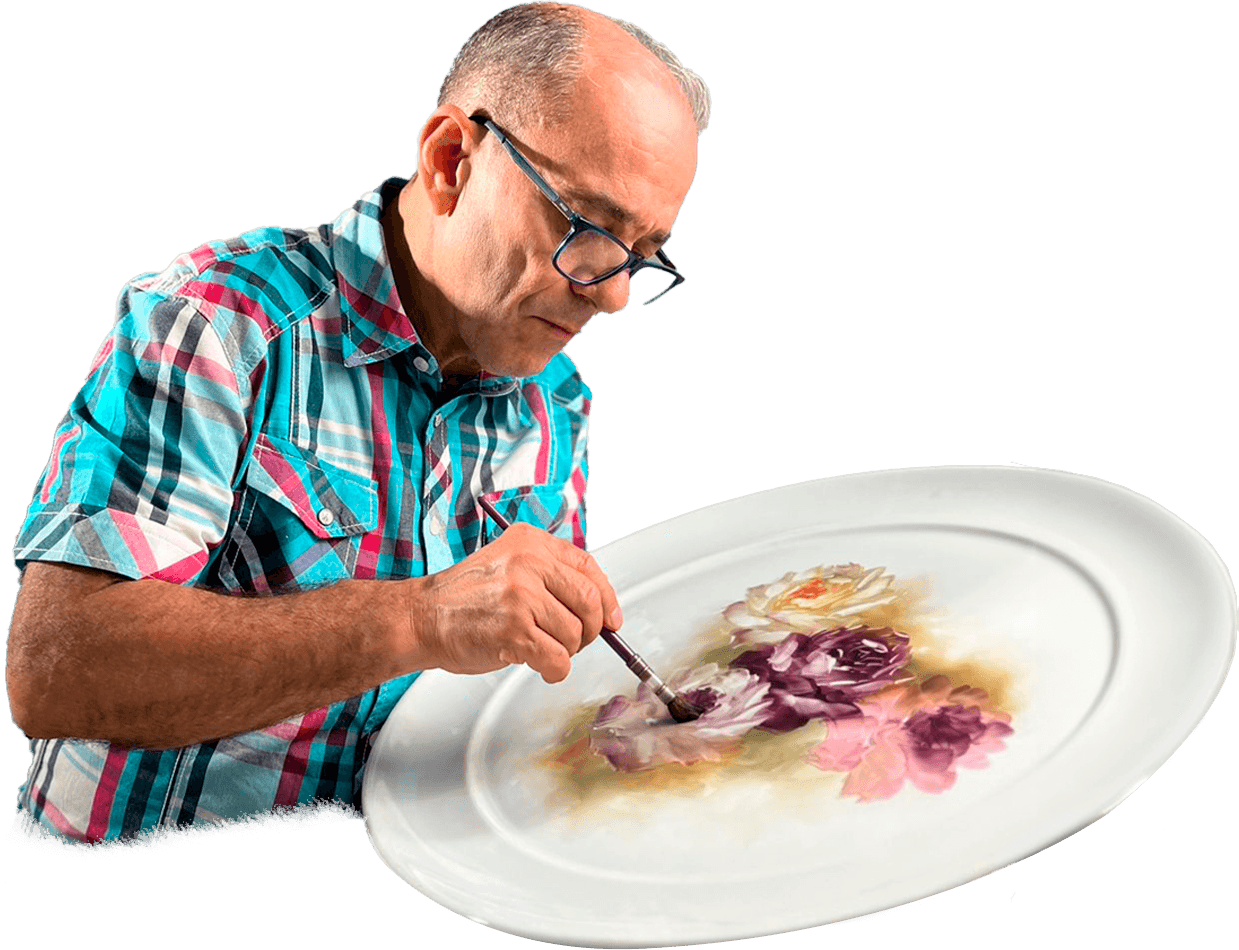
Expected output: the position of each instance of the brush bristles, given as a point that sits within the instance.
(682, 710)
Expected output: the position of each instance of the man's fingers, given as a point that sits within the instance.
(567, 615)
(584, 564)
(543, 654)
(528, 597)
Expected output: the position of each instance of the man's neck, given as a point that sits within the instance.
(419, 298)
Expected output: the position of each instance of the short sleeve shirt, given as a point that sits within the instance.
(263, 419)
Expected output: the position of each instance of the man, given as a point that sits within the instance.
(265, 498)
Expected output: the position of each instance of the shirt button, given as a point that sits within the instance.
(326, 517)
(421, 364)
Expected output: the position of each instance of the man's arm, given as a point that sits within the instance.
(158, 665)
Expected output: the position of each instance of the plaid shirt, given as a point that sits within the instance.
(263, 419)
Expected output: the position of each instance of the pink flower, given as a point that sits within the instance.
(913, 733)
(637, 735)
(824, 675)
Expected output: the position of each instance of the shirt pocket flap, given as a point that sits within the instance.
(330, 501)
(543, 506)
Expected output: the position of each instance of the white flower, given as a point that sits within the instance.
(636, 735)
(808, 601)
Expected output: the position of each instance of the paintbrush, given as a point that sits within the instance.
(680, 708)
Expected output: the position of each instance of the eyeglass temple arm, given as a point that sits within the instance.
(525, 166)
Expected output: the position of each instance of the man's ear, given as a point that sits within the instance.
(445, 154)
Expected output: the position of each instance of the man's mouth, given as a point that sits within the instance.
(564, 332)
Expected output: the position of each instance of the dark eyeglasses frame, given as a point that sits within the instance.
(578, 224)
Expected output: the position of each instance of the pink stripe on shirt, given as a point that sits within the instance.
(105, 793)
(538, 406)
(297, 758)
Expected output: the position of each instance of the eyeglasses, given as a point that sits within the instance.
(589, 254)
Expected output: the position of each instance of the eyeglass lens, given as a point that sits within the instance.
(589, 255)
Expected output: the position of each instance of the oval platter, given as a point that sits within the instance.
(1041, 611)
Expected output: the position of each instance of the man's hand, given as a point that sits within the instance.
(527, 597)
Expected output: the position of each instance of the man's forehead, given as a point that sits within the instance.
(606, 206)
(627, 150)
(635, 177)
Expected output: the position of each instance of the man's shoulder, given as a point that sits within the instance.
(269, 276)
(564, 383)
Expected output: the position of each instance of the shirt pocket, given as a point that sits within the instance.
(329, 501)
(544, 506)
(301, 521)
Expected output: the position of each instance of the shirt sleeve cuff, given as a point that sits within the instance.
(110, 540)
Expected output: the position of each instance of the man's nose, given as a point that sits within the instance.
(609, 296)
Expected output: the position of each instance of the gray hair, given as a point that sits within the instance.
(524, 62)
(692, 85)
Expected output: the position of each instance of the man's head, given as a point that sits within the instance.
(610, 125)
(524, 63)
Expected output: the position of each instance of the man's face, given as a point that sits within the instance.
(624, 160)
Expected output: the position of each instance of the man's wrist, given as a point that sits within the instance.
(408, 621)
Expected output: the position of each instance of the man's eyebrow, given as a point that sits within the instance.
(606, 206)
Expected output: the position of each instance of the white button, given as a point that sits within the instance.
(326, 517)
(421, 364)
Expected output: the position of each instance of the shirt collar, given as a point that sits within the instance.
(375, 324)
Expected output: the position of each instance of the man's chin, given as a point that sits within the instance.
(521, 368)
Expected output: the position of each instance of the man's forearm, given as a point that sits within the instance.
(157, 665)
(153, 664)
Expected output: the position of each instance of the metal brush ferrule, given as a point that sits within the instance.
(638, 666)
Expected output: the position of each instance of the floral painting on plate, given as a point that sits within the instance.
(822, 667)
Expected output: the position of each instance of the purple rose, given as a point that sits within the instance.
(822, 675)
(936, 739)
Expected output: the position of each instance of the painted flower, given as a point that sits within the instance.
(640, 734)
(824, 675)
(913, 733)
(814, 599)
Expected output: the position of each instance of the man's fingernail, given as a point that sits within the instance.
(617, 618)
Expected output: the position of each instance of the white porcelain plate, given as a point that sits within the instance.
(1107, 622)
